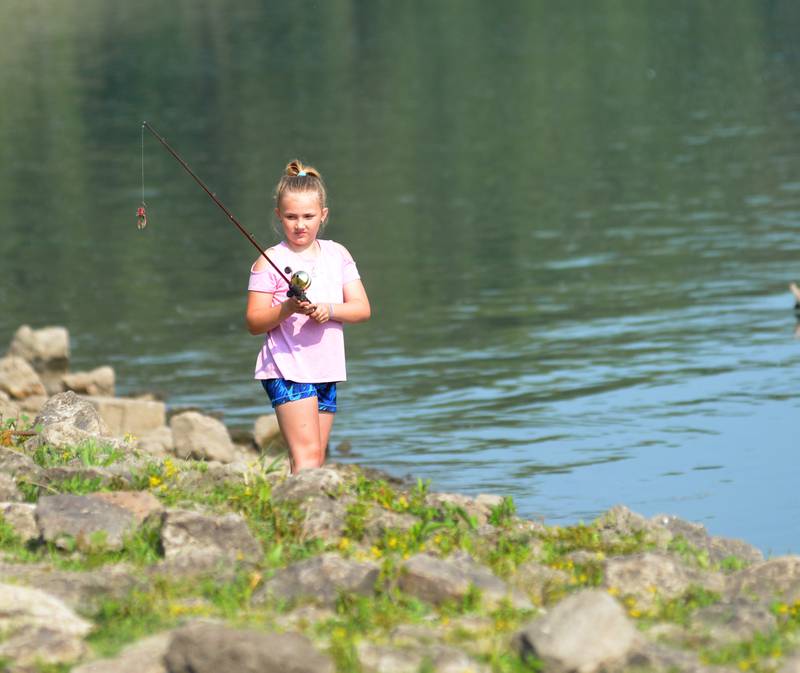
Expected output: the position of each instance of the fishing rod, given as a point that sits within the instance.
(300, 280)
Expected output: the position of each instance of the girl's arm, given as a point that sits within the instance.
(262, 316)
(354, 309)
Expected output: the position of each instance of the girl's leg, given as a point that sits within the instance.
(325, 425)
(795, 291)
(300, 424)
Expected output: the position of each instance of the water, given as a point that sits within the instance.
(575, 223)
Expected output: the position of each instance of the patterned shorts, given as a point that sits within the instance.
(281, 391)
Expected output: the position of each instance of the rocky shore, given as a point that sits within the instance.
(135, 540)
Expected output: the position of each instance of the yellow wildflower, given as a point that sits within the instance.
(392, 542)
(377, 553)
(613, 591)
(155, 480)
(255, 578)
(344, 544)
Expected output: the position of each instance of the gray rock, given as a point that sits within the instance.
(380, 521)
(324, 519)
(320, 579)
(18, 465)
(765, 582)
(732, 622)
(143, 656)
(81, 591)
(586, 632)
(620, 522)
(84, 519)
(651, 575)
(46, 350)
(141, 504)
(202, 437)
(37, 645)
(439, 659)
(158, 442)
(9, 411)
(126, 415)
(23, 607)
(8, 489)
(478, 511)
(266, 430)
(791, 665)
(309, 484)
(654, 658)
(21, 516)
(18, 379)
(195, 537)
(68, 420)
(536, 579)
(211, 648)
(438, 580)
(98, 381)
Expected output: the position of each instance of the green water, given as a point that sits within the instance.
(575, 222)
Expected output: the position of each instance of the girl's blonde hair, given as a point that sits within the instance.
(301, 178)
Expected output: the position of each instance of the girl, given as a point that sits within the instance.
(302, 358)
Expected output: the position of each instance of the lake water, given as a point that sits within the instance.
(576, 223)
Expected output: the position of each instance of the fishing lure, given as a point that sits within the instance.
(141, 217)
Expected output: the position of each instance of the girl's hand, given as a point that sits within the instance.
(293, 305)
(321, 313)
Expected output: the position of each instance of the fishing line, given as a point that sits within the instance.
(300, 280)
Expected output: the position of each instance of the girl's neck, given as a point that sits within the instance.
(310, 250)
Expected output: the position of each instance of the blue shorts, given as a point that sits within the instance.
(281, 391)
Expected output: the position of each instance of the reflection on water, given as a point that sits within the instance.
(577, 249)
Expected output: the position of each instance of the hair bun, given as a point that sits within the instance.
(296, 168)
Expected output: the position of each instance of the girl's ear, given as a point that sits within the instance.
(324, 214)
(278, 212)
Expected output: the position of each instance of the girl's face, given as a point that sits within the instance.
(301, 215)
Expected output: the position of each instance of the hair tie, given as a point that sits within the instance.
(302, 174)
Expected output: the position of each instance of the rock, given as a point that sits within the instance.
(32, 404)
(158, 443)
(309, 484)
(125, 415)
(380, 521)
(586, 632)
(323, 518)
(620, 522)
(9, 411)
(768, 581)
(478, 511)
(24, 607)
(650, 575)
(732, 622)
(139, 503)
(85, 519)
(68, 421)
(38, 645)
(791, 665)
(98, 381)
(439, 580)
(202, 437)
(46, 350)
(656, 658)
(411, 659)
(143, 656)
(18, 465)
(8, 489)
(266, 430)
(81, 591)
(22, 518)
(18, 379)
(211, 648)
(535, 580)
(197, 538)
(320, 579)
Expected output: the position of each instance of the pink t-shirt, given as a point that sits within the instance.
(299, 348)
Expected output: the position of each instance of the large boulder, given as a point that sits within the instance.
(202, 437)
(18, 379)
(586, 632)
(266, 430)
(46, 349)
(210, 648)
(143, 656)
(775, 580)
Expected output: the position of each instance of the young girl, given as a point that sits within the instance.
(302, 358)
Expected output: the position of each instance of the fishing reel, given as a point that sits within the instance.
(298, 284)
